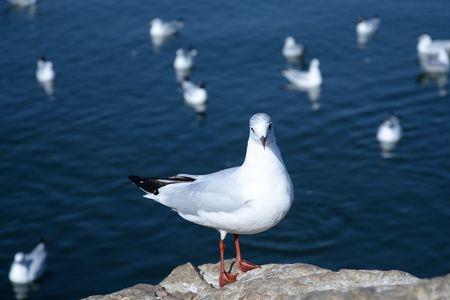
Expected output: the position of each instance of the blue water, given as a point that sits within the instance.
(117, 110)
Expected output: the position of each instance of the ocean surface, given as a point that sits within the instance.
(117, 110)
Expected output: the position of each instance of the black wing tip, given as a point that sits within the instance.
(43, 241)
(135, 179)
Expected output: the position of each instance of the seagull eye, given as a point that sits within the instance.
(270, 126)
(253, 130)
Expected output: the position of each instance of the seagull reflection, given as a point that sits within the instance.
(200, 109)
(313, 94)
(48, 88)
(181, 74)
(22, 291)
(158, 41)
(439, 79)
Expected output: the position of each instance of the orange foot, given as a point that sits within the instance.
(226, 278)
(245, 266)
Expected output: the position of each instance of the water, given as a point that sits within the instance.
(117, 110)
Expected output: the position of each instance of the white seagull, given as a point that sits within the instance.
(44, 71)
(248, 199)
(194, 94)
(367, 27)
(22, 3)
(426, 45)
(389, 132)
(292, 50)
(161, 29)
(305, 79)
(26, 268)
(184, 60)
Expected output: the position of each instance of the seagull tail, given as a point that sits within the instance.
(152, 185)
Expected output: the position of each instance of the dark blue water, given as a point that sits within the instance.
(117, 110)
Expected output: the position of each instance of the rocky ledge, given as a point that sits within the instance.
(287, 281)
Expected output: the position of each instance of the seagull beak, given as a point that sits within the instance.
(263, 141)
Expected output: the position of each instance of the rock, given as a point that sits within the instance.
(287, 281)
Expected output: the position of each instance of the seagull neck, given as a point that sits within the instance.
(257, 155)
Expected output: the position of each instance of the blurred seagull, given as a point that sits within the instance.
(184, 60)
(426, 45)
(159, 28)
(21, 3)
(248, 199)
(26, 268)
(291, 49)
(367, 27)
(305, 79)
(390, 131)
(44, 72)
(194, 94)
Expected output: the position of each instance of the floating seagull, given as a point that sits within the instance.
(26, 268)
(389, 133)
(292, 50)
(248, 199)
(159, 28)
(194, 94)
(44, 72)
(184, 60)
(435, 62)
(305, 79)
(367, 27)
(426, 45)
(21, 3)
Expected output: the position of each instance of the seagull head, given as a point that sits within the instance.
(424, 39)
(18, 257)
(261, 129)
(155, 21)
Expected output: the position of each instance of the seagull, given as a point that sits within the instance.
(305, 79)
(44, 72)
(22, 3)
(427, 46)
(248, 199)
(184, 60)
(159, 28)
(26, 268)
(194, 94)
(367, 27)
(291, 49)
(389, 132)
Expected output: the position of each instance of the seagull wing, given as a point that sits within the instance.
(215, 192)
(295, 76)
(37, 258)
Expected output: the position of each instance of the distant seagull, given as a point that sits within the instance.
(194, 94)
(161, 29)
(26, 268)
(21, 3)
(436, 62)
(248, 199)
(305, 79)
(292, 50)
(389, 133)
(426, 45)
(44, 72)
(184, 60)
(367, 27)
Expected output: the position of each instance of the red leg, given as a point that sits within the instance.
(224, 277)
(244, 266)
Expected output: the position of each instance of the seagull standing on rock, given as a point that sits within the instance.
(248, 199)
